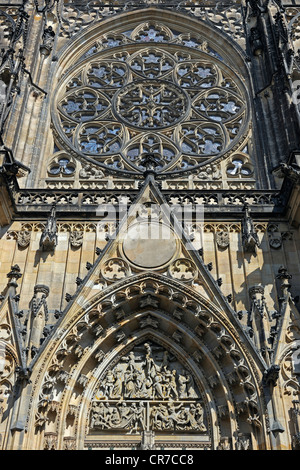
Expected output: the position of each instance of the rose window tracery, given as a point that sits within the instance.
(161, 148)
(168, 94)
(103, 74)
(195, 74)
(104, 137)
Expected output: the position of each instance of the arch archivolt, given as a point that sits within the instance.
(198, 341)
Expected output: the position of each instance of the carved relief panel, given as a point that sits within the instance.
(149, 389)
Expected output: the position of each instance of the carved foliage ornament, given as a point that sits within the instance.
(76, 239)
(23, 238)
(182, 106)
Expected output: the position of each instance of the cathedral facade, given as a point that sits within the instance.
(149, 225)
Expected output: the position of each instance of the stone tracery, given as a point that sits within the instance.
(111, 97)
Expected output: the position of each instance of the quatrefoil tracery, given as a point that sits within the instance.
(195, 108)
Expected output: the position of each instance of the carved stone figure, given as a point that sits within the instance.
(222, 239)
(137, 417)
(89, 171)
(76, 239)
(180, 417)
(154, 375)
(210, 172)
(148, 321)
(48, 39)
(249, 235)
(23, 238)
(48, 239)
(109, 383)
(129, 416)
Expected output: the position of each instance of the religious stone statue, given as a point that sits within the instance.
(147, 389)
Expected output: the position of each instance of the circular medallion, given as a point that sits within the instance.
(149, 245)
(151, 104)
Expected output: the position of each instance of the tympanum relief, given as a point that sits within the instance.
(149, 389)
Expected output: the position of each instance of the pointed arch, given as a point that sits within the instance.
(93, 338)
(191, 80)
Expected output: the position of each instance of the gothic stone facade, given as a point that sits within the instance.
(178, 119)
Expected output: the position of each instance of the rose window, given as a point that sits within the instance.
(166, 94)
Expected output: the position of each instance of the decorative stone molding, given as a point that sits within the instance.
(183, 269)
(50, 441)
(115, 269)
(23, 238)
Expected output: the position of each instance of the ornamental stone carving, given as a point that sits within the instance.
(249, 235)
(115, 269)
(183, 269)
(170, 95)
(7, 363)
(148, 389)
(76, 239)
(148, 321)
(5, 332)
(48, 240)
(23, 238)
(222, 239)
